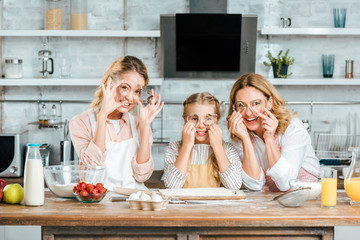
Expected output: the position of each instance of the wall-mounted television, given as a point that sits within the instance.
(207, 45)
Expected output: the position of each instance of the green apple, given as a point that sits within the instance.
(13, 193)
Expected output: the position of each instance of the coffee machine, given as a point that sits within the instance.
(46, 64)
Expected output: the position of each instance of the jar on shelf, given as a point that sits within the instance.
(78, 15)
(53, 14)
(13, 68)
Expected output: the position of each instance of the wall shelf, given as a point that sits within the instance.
(312, 31)
(62, 82)
(315, 81)
(78, 33)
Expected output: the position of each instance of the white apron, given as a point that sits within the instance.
(118, 170)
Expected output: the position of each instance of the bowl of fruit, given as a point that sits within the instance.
(61, 179)
(89, 193)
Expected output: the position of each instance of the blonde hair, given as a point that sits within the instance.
(260, 83)
(116, 69)
(205, 98)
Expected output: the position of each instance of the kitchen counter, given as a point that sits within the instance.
(257, 215)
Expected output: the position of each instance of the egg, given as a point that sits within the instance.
(134, 196)
(139, 193)
(156, 198)
(145, 197)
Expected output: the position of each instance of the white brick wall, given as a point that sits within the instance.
(91, 56)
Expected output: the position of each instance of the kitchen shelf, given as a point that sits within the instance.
(312, 31)
(62, 82)
(78, 33)
(315, 81)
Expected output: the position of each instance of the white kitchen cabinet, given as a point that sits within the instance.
(20, 232)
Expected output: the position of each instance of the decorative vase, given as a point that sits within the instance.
(283, 70)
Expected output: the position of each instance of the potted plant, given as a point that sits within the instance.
(280, 64)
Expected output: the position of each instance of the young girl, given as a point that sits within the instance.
(273, 144)
(202, 158)
(108, 135)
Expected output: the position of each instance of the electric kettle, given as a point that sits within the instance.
(46, 64)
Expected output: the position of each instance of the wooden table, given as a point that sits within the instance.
(255, 216)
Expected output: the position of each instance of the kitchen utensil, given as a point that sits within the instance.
(46, 64)
(285, 22)
(294, 198)
(203, 194)
(315, 186)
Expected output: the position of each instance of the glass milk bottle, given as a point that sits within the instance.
(33, 176)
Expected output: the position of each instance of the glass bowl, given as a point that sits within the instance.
(294, 198)
(91, 198)
(61, 179)
(315, 186)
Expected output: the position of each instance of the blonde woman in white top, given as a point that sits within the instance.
(272, 143)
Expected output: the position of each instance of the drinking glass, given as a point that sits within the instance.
(339, 17)
(328, 188)
(328, 65)
(65, 68)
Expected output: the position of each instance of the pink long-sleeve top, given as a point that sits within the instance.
(90, 154)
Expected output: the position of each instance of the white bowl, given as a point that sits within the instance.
(315, 186)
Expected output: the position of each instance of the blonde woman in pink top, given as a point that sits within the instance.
(108, 135)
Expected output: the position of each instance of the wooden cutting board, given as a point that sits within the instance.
(129, 191)
(203, 194)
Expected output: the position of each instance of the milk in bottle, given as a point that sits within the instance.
(33, 177)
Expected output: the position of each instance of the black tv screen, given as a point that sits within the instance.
(208, 42)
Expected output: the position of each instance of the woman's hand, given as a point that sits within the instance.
(216, 136)
(148, 113)
(188, 134)
(237, 126)
(269, 124)
(110, 101)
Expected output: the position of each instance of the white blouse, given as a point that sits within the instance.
(296, 152)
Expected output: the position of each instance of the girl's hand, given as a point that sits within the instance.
(110, 101)
(188, 134)
(148, 113)
(215, 135)
(269, 123)
(237, 126)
